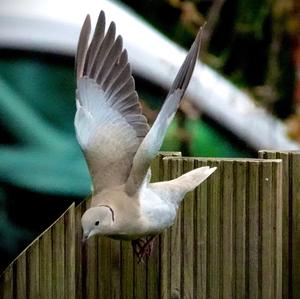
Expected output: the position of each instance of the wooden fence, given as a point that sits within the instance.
(290, 220)
(236, 236)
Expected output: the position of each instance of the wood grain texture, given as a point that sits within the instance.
(32, 264)
(165, 275)
(58, 269)
(214, 226)
(201, 238)
(6, 283)
(127, 273)
(227, 242)
(289, 213)
(115, 256)
(35, 273)
(254, 241)
(176, 258)
(92, 265)
(80, 258)
(153, 263)
(241, 201)
(70, 257)
(187, 238)
(295, 197)
(45, 256)
(228, 231)
(20, 278)
(235, 231)
(104, 268)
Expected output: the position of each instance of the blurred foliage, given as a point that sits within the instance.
(198, 139)
(37, 114)
(248, 41)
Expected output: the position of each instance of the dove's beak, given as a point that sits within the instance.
(84, 238)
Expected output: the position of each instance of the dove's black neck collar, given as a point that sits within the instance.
(111, 210)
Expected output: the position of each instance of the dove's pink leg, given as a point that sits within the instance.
(137, 245)
(143, 247)
(148, 246)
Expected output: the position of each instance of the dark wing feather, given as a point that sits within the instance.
(153, 141)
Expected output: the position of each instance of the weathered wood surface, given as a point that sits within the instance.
(290, 221)
(229, 234)
(46, 268)
(226, 243)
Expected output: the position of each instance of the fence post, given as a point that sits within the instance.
(291, 219)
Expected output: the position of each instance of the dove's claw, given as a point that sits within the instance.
(143, 247)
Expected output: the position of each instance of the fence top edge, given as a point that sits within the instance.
(169, 154)
(212, 159)
(37, 238)
(280, 152)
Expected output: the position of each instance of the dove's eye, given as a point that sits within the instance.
(97, 223)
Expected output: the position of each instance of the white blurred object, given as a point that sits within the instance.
(53, 26)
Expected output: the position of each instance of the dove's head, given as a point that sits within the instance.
(97, 220)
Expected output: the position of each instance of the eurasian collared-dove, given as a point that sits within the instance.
(118, 145)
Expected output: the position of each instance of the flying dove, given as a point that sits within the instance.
(118, 144)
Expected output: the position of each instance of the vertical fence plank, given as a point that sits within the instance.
(228, 230)
(86, 255)
(152, 268)
(287, 216)
(92, 268)
(58, 250)
(214, 192)
(153, 263)
(277, 228)
(127, 270)
(164, 274)
(267, 231)
(254, 231)
(20, 287)
(104, 268)
(140, 279)
(78, 251)
(115, 268)
(201, 239)
(187, 237)
(295, 196)
(165, 246)
(240, 227)
(6, 283)
(175, 239)
(32, 257)
(70, 258)
(87, 277)
(46, 265)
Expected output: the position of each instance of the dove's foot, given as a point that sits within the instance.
(143, 247)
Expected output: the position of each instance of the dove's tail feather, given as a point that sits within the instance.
(192, 179)
(176, 189)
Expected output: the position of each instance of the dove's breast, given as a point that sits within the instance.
(159, 213)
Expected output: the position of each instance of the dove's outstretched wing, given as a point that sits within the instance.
(109, 123)
(153, 141)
